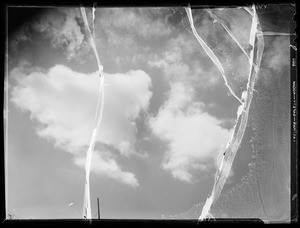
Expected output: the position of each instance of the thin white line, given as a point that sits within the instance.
(228, 31)
(248, 10)
(87, 200)
(209, 52)
(260, 33)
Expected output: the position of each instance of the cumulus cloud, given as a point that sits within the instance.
(194, 137)
(64, 102)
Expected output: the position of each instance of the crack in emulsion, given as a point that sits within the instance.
(98, 114)
(209, 52)
(264, 191)
(260, 33)
(242, 114)
(228, 31)
(256, 47)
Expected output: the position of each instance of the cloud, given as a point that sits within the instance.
(108, 167)
(193, 136)
(139, 22)
(184, 60)
(127, 36)
(63, 30)
(180, 48)
(64, 102)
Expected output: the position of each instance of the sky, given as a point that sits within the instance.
(167, 112)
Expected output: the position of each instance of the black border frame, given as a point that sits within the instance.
(141, 222)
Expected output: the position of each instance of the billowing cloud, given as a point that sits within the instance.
(64, 102)
(193, 136)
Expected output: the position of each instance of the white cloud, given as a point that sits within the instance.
(137, 21)
(124, 35)
(182, 61)
(194, 137)
(63, 30)
(108, 167)
(172, 70)
(64, 103)
(179, 49)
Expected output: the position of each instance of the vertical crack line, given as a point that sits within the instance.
(102, 102)
(93, 14)
(253, 32)
(209, 52)
(87, 201)
(234, 143)
(90, 37)
(6, 101)
(101, 86)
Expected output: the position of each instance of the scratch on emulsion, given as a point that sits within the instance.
(98, 116)
(242, 113)
(209, 52)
